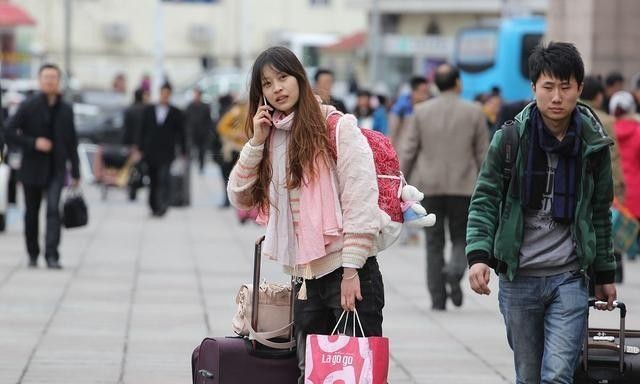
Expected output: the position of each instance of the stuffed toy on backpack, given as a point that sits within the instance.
(413, 212)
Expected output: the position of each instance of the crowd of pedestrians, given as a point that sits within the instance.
(542, 224)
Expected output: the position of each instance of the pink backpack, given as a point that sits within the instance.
(390, 179)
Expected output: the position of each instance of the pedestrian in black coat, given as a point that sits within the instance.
(133, 118)
(162, 132)
(199, 125)
(43, 127)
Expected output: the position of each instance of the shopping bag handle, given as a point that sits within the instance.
(356, 317)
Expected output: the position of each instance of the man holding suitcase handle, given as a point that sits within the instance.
(551, 224)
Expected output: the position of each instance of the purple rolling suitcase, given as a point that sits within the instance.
(237, 360)
(610, 355)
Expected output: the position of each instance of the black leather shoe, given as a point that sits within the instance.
(455, 293)
(53, 264)
(33, 263)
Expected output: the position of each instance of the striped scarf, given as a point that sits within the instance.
(566, 177)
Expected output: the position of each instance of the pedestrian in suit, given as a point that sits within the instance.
(198, 125)
(133, 118)
(162, 131)
(441, 154)
(43, 127)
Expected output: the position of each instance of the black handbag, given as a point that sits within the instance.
(74, 211)
(137, 175)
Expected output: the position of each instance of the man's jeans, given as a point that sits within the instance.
(545, 319)
(159, 188)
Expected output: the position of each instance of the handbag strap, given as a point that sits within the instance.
(262, 337)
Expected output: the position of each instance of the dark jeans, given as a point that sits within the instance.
(453, 210)
(13, 181)
(159, 188)
(33, 197)
(201, 144)
(321, 310)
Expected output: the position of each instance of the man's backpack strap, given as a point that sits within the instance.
(509, 151)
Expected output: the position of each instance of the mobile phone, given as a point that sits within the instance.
(264, 100)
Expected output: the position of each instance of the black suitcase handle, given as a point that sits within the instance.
(623, 314)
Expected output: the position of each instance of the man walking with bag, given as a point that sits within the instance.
(441, 154)
(550, 224)
(43, 127)
(162, 130)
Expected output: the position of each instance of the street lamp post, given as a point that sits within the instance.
(158, 52)
(67, 40)
(374, 44)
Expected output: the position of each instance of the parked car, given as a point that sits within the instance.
(98, 124)
(214, 83)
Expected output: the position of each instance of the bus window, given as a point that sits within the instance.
(529, 42)
(477, 49)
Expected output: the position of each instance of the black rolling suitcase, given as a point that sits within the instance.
(610, 355)
(236, 360)
(179, 184)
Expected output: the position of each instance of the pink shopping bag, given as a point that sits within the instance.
(342, 359)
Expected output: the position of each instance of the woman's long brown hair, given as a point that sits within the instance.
(309, 141)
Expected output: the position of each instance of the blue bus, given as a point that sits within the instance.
(497, 56)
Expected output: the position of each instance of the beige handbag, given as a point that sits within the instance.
(274, 311)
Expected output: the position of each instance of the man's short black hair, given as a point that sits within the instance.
(446, 77)
(558, 60)
(322, 71)
(138, 95)
(166, 85)
(613, 78)
(592, 87)
(363, 92)
(49, 66)
(417, 81)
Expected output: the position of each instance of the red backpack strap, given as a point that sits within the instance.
(333, 127)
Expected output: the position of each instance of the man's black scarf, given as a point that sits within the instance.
(567, 171)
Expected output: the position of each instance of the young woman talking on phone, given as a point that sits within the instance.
(321, 214)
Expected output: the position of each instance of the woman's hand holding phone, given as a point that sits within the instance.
(261, 123)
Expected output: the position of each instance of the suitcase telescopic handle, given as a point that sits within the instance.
(257, 261)
(623, 314)
(255, 298)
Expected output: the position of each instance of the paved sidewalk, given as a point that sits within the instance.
(138, 293)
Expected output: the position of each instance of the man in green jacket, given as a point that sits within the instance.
(551, 225)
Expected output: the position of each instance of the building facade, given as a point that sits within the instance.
(417, 35)
(111, 37)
